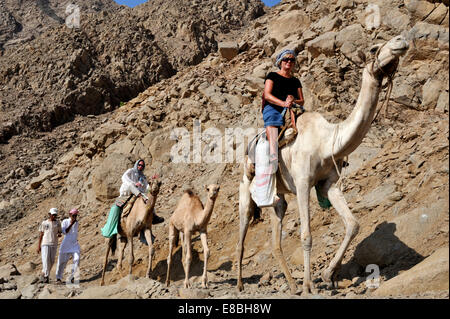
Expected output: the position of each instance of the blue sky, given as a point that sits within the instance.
(132, 3)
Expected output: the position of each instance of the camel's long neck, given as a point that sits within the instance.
(207, 211)
(351, 132)
(150, 204)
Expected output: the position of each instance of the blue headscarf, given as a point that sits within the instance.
(282, 54)
(139, 173)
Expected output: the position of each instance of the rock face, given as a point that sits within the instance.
(62, 71)
(432, 274)
(21, 22)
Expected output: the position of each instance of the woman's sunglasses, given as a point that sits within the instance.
(288, 59)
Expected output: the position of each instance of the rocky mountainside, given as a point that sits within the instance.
(24, 20)
(60, 72)
(396, 184)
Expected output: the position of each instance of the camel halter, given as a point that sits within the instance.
(390, 77)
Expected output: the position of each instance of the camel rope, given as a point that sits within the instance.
(341, 179)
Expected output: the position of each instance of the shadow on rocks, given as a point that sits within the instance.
(383, 249)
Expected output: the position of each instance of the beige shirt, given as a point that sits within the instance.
(50, 230)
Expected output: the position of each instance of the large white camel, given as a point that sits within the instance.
(308, 160)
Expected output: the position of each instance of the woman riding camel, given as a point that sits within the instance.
(135, 182)
(281, 91)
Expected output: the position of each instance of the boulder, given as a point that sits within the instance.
(43, 175)
(262, 69)
(376, 197)
(403, 236)
(324, 43)
(351, 39)
(106, 176)
(24, 281)
(430, 93)
(192, 293)
(10, 294)
(228, 50)
(419, 9)
(29, 292)
(297, 21)
(432, 274)
(442, 102)
(8, 270)
(438, 15)
(395, 19)
(27, 268)
(405, 94)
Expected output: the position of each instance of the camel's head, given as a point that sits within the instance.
(387, 55)
(213, 191)
(155, 184)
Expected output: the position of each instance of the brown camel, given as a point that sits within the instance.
(140, 218)
(190, 216)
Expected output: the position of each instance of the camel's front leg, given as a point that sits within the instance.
(148, 238)
(204, 239)
(338, 201)
(172, 237)
(303, 190)
(108, 247)
(277, 218)
(122, 244)
(131, 258)
(188, 256)
(246, 207)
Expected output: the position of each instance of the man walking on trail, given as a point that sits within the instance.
(48, 242)
(69, 246)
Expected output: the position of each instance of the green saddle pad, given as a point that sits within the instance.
(112, 223)
(323, 201)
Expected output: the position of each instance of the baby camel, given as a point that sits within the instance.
(190, 216)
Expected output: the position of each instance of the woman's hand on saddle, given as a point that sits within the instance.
(138, 184)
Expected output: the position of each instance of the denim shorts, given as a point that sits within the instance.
(272, 117)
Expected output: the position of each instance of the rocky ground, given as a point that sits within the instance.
(396, 184)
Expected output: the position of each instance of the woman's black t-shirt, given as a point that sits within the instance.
(282, 87)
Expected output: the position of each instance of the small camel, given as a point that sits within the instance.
(309, 161)
(140, 218)
(190, 216)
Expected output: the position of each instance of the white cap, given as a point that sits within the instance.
(53, 211)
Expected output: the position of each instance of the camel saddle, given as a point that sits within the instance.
(288, 132)
(127, 205)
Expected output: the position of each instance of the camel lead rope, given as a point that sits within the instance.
(340, 181)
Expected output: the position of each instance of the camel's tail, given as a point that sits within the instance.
(113, 243)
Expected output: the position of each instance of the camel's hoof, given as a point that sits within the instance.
(240, 287)
(167, 284)
(205, 285)
(308, 288)
(293, 290)
(326, 278)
